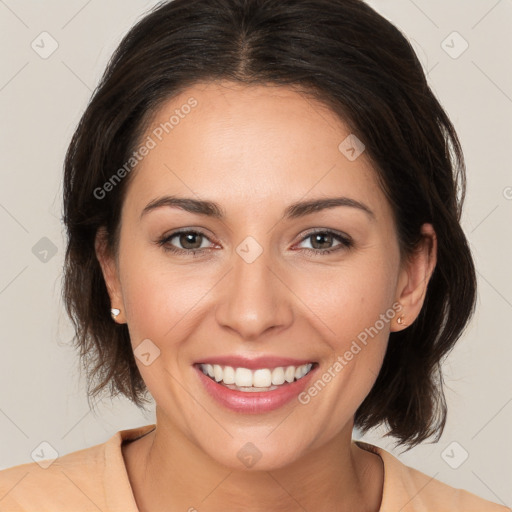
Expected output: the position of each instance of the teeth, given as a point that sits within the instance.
(228, 375)
(243, 377)
(261, 378)
(278, 376)
(289, 374)
(217, 372)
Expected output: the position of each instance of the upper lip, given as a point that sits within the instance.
(254, 363)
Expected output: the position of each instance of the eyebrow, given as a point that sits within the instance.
(293, 211)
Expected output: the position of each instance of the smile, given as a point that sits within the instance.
(262, 379)
(257, 390)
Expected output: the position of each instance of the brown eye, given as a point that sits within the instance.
(322, 242)
(190, 240)
(186, 242)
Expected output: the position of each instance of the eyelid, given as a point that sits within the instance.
(345, 240)
(165, 238)
(314, 231)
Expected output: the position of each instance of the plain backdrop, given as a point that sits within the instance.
(465, 48)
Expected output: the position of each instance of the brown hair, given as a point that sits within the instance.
(340, 52)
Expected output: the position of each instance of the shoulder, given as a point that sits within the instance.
(72, 481)
(437, 495)
(86, 480)
(409, 490)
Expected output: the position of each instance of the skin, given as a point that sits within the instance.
(255, 150)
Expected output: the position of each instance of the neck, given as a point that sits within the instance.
(166, 469)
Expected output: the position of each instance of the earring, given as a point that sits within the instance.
(115, 312)
(400, 321)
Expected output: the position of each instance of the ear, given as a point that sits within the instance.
(415, 276)
(110, 272)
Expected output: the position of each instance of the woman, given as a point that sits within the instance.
(263, 233)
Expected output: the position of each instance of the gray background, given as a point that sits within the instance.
(41, 100)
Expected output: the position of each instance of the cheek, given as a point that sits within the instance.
(147, 291)
(155, 302)
(350, 298)
(161, 299)
(353, 306)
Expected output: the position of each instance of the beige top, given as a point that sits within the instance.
(95, 479)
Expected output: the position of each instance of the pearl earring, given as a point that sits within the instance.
(115, 312)
(400, 321)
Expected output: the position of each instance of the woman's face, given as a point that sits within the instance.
(255, 290)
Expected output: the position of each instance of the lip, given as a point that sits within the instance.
(254, 363)
(254, 402)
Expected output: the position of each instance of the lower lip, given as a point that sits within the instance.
(254, 402)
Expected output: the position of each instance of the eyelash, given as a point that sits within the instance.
(346, 243)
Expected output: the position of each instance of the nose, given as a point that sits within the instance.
(254, 299)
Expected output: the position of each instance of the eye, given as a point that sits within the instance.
(324, 240)
(190, 240)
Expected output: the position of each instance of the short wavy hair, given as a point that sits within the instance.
(341, 53)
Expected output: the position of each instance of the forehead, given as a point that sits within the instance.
(255, 145)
